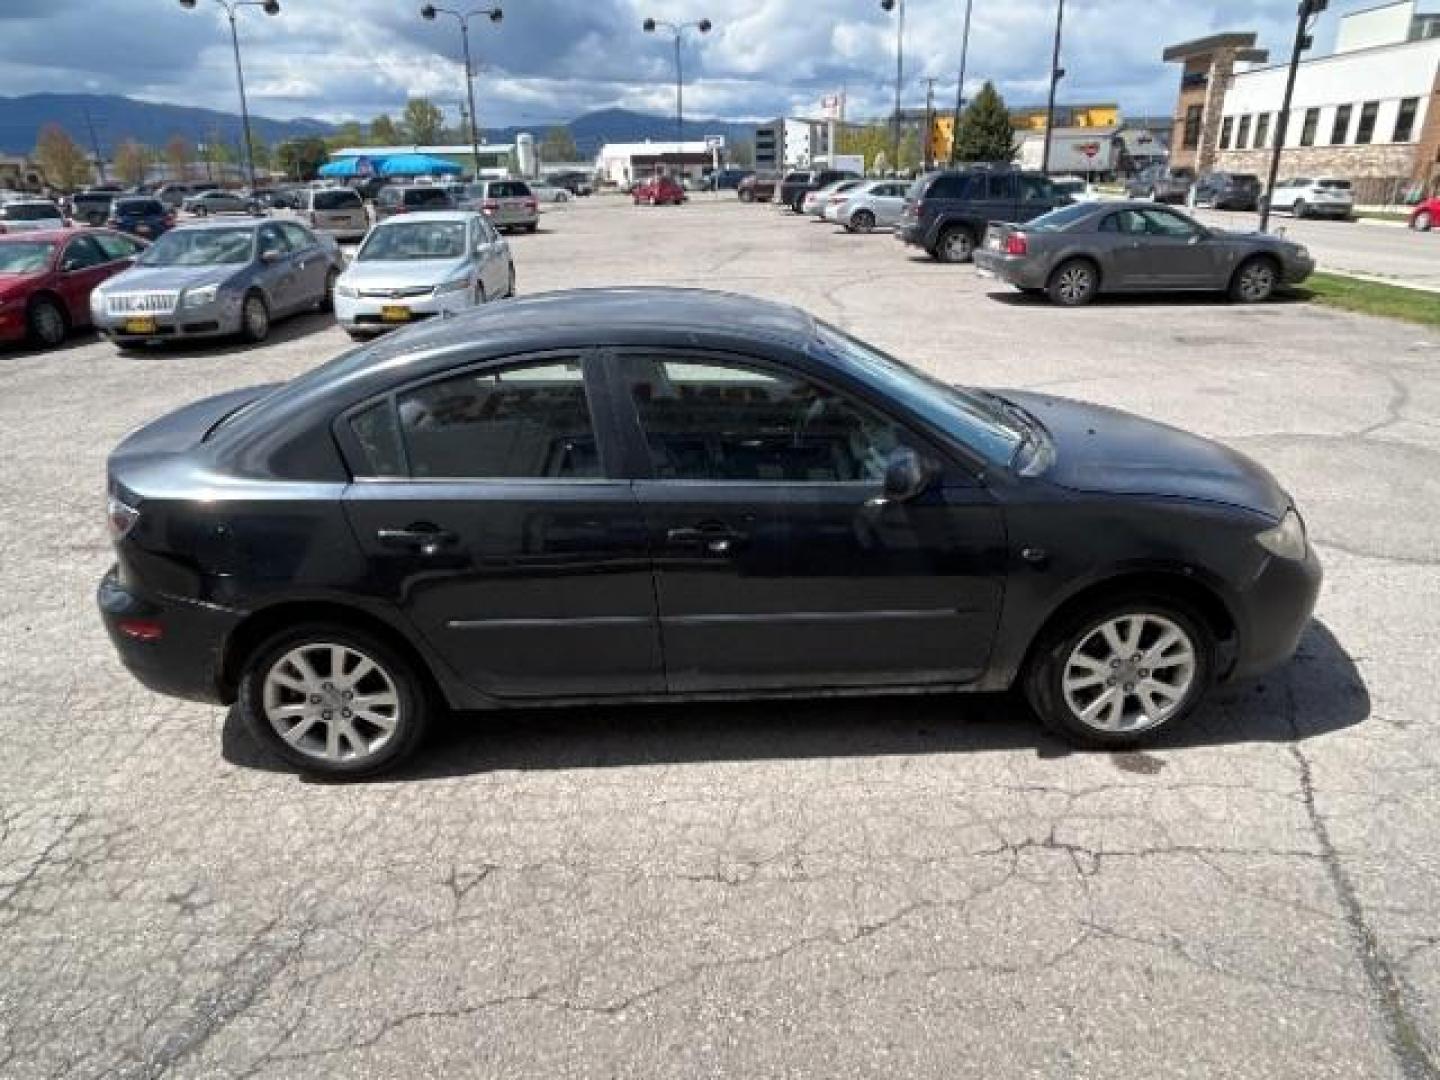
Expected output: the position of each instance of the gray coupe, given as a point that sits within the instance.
(214, 279)
(1078, 251)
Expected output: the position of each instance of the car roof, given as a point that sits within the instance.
(32, 235)
(33, 202)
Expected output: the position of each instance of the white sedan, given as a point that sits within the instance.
(416, 266)
(30, 215)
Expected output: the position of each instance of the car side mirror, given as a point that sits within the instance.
(907, 475)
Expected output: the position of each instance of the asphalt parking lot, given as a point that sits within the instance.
(888, 888)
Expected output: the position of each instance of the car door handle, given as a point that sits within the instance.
(420, 536)
(716, 538)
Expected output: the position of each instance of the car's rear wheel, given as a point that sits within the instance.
(1254, 281)
(1421, 221)
(747, 195)
(1073, 283)
(862, 221)
(956, 245)
(254, 318)
(532, 226)
(47, 323)
(1121, 671)
(1299, 209)
(510, 284)
(333, 701)
(327, 302)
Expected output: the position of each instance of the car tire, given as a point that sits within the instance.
(1085, 683)
(862, 221)
(1299, 210)
(746, 196)
(1254, 280)
(327, 300)
(510, 285)
(46, 323)
(1421, 222)
(292, 700)
(957, 245)
(254, 318)
(532, 227)
(1073, 283)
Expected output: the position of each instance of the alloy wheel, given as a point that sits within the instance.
(862, 221)
(1257, 281)
(257, 319)
(331, 702)
(958, 246)
(1130, 673)
(1075, 283)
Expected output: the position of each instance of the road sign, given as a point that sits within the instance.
(714, 142)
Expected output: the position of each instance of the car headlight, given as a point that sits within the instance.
(347, 291)
(1286, 540)
(201, 295)
(458, 285)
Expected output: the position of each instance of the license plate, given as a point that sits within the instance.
(394, 313)
(140, 326)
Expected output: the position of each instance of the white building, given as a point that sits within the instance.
(625, 163)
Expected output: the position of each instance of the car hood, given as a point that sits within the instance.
(1099, 449)
(403, 273)
(139, 278)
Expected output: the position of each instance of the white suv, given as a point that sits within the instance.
(1325, 196)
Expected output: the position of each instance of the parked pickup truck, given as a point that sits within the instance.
(947, 212)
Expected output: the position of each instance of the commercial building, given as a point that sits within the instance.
(625, 163)
(1368, 112)
(792, 143)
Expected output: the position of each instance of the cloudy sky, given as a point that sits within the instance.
(550, 60)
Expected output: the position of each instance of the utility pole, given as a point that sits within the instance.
(960, 87)
(495, 15)
(1056, 74)
(1308, 11)
(95, 145)
(889, 5)
(929, 82)
(677, 30)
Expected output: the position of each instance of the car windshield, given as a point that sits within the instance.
(1335, 185)
(25, 257)
(1060, 218)
(412, 240)
(509, 189)
(29, 211)
(138, 206)
(978, 422)
(426, 197)
(200, 247)
(343, 199)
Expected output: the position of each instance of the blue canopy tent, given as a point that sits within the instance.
(417, 165)
(342, 168)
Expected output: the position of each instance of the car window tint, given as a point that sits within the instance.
(718, 421)
(1036, 189)
(25, 256)
(29, 211)
(427, 197)
(1164, 223)
(337, 199)
(378, 434)
(509, 189)
(530, 421)
(115, 246)
(998, 187)
(951, 187)
(299, 237)
(272, 239)
(82, 252)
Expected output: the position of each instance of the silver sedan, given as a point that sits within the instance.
(872, 204)
(216, 279)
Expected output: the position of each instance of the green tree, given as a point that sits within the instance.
(909, 157)
(986, 133)
(384, 132)
(870, 141)
(132, 161)
(178, 156)
(559, 145)
(740, 152)
(301, 158)
(61, 159)
(423, 121)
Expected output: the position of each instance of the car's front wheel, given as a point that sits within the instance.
(1121, 671)
(1421, 222)
(254, 318)
(1299, 209)
(333, 701)
(46, 323)
(1254, 281)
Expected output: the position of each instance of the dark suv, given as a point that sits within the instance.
(1226, 191)
(947, 212)
(795, 185)
(404, 200)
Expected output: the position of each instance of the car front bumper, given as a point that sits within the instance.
(184, 658)
(367, 314)
(220, 318)
(1275, 610)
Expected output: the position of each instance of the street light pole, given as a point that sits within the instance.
(960, 88)
(1056, 74)
(890, 5)
(270, 7)
(428, 12)
(1308, 10)
(677, 31)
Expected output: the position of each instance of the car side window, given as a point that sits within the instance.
(82, 253)
(999, 186)
(114, 246)
(1164, 223)
(1036, 189)
(530, 421)
(950, 187)
(272, 239)
(299, 238)
(729, 421)
(1128, 222)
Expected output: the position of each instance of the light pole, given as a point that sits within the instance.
(429, 11)
(960, 89)
(1308, 11)
(1056, 74)
(270, 7)
(677, 30)
(891, 5)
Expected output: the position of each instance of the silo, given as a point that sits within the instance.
(525, 163)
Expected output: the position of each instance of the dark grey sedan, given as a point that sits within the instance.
(225, 277)
(1078, 251)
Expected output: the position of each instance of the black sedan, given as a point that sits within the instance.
(1077, 252)
(646, 494)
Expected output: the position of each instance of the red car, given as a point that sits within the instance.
(46, 278)
(657, 191)
(1426, 214)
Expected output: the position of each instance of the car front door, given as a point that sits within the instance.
(889, 203)
(492, 251)
(777, 563)
(499, 524)
(277, 273)
(82, 267)
(1176, 252)
(311, 264)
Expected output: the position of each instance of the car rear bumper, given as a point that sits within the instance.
(1020, 271)
(1276, 610)
(12, 323)
(908, 232)
(181, 649)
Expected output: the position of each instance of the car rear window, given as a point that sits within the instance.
(427, 197)
(797, 178)
(1334, 185)
(509, 189)
(101, 197)
(140, 207)
(342, 199)
(29, 211)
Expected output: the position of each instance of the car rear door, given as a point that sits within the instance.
(496, 519)
(775, 566)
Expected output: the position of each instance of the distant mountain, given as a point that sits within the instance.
(117, 118)
(621, 125)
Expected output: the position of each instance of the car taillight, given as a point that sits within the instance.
(489, 206)
(1017, 243)
(141, 629)
(121, 517)
(532, 204)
